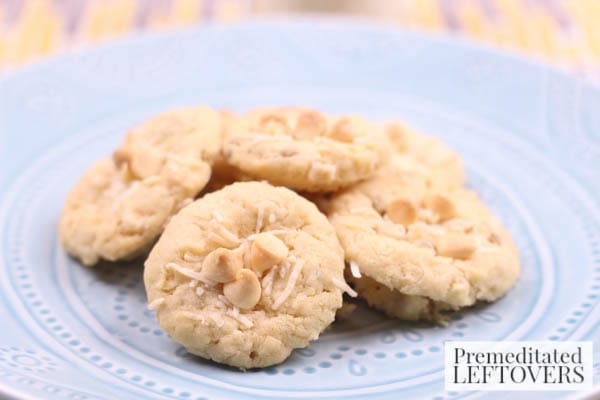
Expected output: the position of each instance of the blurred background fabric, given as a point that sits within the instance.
(565, 33)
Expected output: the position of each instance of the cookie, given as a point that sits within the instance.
(303, 149)
(411, 234)
(223, 173)
(417, 152)
(121, 204)
(396, 304)
(246, 274)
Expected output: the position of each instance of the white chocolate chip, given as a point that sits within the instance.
(310, 124)
(441, 205)
(342, 131)
(274, 124)
(121, 156)
(456, 245)
(235, 314)
(217, 216)
(222, 265)
(245, 291)
(355, 269)
(267, 250)
(401, 211)
(153, 305)
(397, 137)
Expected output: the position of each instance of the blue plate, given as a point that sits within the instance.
(530, 137)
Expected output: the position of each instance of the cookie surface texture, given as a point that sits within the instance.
(246, 274)
(303, 149)
(121, 204)
(412, 234)
(421, 153)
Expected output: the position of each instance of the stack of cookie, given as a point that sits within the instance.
(265, 220)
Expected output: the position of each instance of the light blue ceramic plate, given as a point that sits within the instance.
(530, 137)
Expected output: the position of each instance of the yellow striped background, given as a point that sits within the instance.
(563, 32)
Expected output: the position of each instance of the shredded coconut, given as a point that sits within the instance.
(235, 313)
(189, 273)
(151, 180)
(243, 247)
(267, 281)
(218, 239)
(184, 271)
(154, 304)
(193, 316)
(259, 219)
(223, 300)
(272, 218)
(209, 284)
(272, 232)
(227, 234)
(283, 268)
(290, 284)
(217, 319)
(223, 235)
(355, 270)
(202, 319)
(344, 286)
(217, 215)
(191, 257)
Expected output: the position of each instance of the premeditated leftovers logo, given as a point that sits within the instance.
(518, 365)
